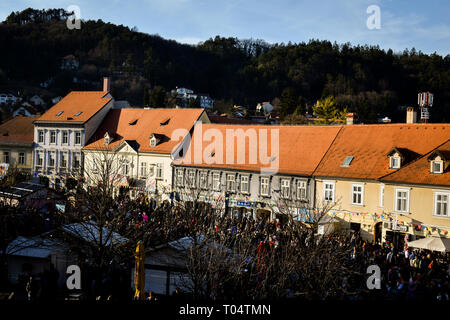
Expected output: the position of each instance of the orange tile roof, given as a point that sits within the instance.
(300, 148)
(137, 125)
(418, 172)
(86, 102)
(17, 130)
(370, 144)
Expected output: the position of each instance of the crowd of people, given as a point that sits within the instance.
(406, 273)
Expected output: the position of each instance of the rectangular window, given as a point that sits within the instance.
(63, 160)
(437, 166)
(395, 163)
(179, 177)
(441, 204)
(191, 178)
(328, 191)
(216, 181)
(125, 168)
(77, 138)
(264, 187)
(65, 137)
(401, 200)
(231, 182)
(76, 160)
(6, 157)
(381, 195)
(143, 170)
(357, 194)
(285, 188)
(244, 184)
(41, 136)
(51, 159)
(203, 180)
(21, 157)
(159, 170)
(301, 190)
(40, 159)
(53, 137)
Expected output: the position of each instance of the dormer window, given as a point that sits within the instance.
(400, 156)
(436, 166)
(394, 162)
(438, 161)
(107, 139)
(59, 113)
(153, 141)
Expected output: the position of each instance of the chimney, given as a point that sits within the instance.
(106, 84)
(411, 115)
(350, 117)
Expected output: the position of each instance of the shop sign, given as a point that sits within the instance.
(243, 204)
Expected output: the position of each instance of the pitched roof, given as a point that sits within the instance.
(370, 144)
(418, 172)
(300, 148)
(86, 102)
(137, 125)
(17, 130)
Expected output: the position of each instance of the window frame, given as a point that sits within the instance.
(284, 187)
(143, 169)
(6, 155)
(232, 175)
(435, 195)
(218, 180)
(192, 182)
(353, 193)
(441, 166)
(179, 177)
(203, 183)
(381, 196)
(20, 161)
(77, 133)
(299, 187)
(159, 173)
(65, 133)
(53, 134)
(246, 182)
(333, 191)
(40, 131)
(391, 163)
(396, 209)
(261, 186)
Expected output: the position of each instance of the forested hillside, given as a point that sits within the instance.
(363, 79)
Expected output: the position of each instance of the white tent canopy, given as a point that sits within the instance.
(432, 243)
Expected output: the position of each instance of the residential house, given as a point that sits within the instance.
(419, 195)
(361, 173)
(16, 143)
(258, 171)
(37, 101)
(139, 145)
(62, 131)
(26, 110)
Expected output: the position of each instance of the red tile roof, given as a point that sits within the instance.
(418, 172)
(137, 125)
(17, 130)
(86, 102)
(300, 148)
(370, 144)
